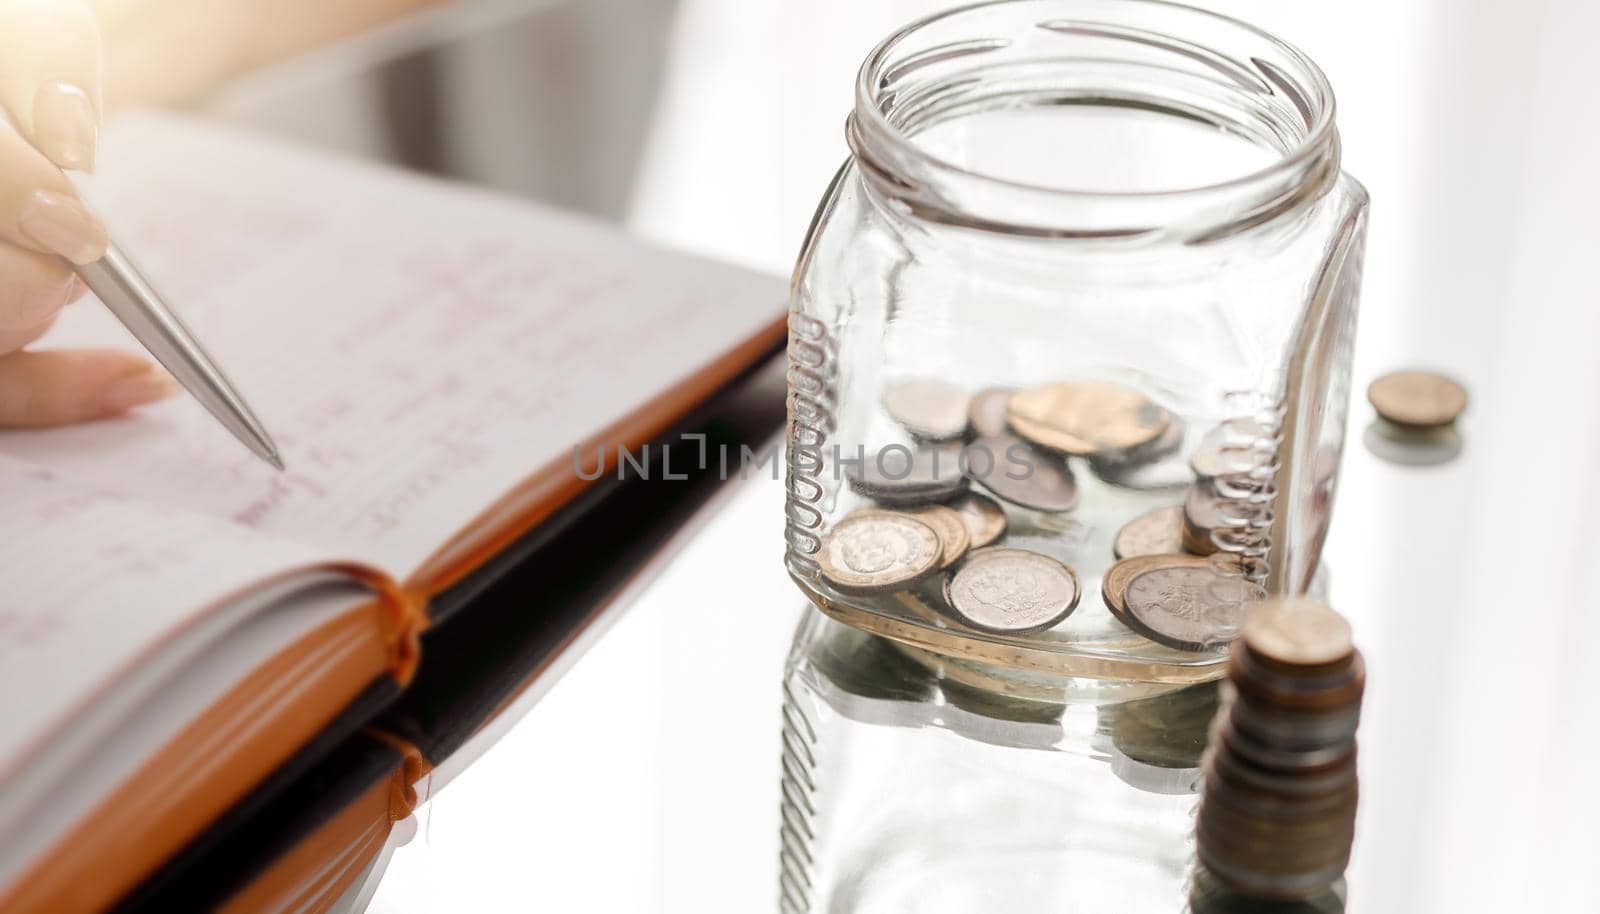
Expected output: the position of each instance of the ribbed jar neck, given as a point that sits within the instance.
(1130, 54)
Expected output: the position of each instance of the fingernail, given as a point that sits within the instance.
(128, 391)
(63, 225)
(65, 126)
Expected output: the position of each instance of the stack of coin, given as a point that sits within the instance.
(1278, 814)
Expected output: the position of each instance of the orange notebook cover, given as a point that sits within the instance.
(443, 370)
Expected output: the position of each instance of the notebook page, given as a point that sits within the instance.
(416, 348)
(91, 581)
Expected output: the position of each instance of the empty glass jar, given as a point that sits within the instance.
(1090, 260)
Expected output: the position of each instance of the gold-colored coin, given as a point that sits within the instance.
(879, 551)
(946, 523)
(1084, 418)
(985, 520)
(1418, 399)
(1158, 532)
(1114, 585)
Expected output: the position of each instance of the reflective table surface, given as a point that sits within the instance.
(645, 779)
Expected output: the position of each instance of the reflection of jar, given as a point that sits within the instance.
(1140, 199)
(915, 782)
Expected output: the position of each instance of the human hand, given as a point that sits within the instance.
(50, 90)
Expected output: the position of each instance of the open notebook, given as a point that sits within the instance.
(176, 618)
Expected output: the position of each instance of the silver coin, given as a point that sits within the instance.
(946, 522)
(1021, 474)
(929, 410)
(876, 551)
(899, 475)
(1158, 532)
(987, 413)
(1189, 607)
(1012, 590)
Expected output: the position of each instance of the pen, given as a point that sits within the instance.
(120, 286)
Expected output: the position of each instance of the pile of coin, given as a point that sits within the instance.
(1016, 445)
(1277, 816)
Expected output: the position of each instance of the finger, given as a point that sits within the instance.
(33, 287)
(50, 77)
(60, 387)
(12, 340)
(40, 210)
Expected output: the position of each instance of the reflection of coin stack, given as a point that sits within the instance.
(1278, 813)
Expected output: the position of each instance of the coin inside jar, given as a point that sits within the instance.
(876, 551)
(946, 523)
(1156, 532)
(985, 520)
(1190, 607)
(1417, 399)
(1012, 591)
(929, 410)
(987, 412)
(1114, 585)
(1202, 514)
(1084, 418)
(1022, 475)
(897, 475)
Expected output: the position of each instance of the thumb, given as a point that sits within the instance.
(50, 77)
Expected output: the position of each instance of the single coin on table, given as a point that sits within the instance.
(1417, 399)
(946, 523)
(1191, 608)
(1157, 532)
(985, 520)
(1012, 591)
(873, 552)
(901, 476)
(1114, 584)
(1084, 418)
(987, 413)
(1022, 475)
(929, 410)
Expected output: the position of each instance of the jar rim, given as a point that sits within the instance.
(933, 185)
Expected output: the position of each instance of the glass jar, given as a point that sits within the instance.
(912, 783)
(1120, 228)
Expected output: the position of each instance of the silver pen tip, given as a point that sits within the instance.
(277, 462)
